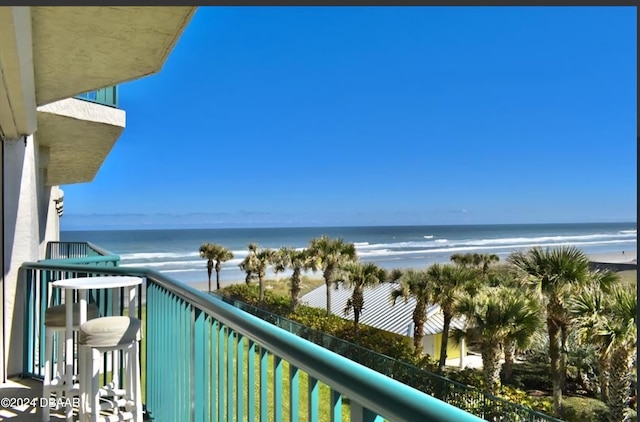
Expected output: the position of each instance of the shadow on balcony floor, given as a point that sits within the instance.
(17, 391)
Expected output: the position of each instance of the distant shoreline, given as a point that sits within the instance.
(628, 257)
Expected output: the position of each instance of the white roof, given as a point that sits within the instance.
(379, 311)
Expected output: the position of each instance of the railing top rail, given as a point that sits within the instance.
(101, 251)
(385, 396)
(83, 260)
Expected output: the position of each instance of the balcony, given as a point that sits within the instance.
(77, 134)
(106, 96)
(204, 359)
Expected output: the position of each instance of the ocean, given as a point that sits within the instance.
(175, 252)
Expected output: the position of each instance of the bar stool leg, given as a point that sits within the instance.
(94, 395)
(46, 385)
(59, 373)
(135, 369)
(82, 383)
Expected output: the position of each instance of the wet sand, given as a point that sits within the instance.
(615, 257)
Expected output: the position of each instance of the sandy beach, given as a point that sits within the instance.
(618, 257)
(629, 257)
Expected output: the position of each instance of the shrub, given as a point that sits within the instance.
(583, 409)
(541, 404)
(531, 376)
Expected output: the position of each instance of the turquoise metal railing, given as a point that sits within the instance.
(209, 361)
(468, 398)
(39, 294)
(65, 250)
(106, 96)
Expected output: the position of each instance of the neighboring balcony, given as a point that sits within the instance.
(206, 360)
(77, 134)
(106, 96)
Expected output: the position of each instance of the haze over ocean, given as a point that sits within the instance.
(175, 252)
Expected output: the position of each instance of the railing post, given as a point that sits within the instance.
(359, 413)
(336, 406)
(314, 403)
(198, 367)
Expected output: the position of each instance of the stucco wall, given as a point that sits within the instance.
(30, 220)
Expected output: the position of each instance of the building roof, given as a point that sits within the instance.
(379, 310)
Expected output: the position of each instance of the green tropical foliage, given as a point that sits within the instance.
(415, 284)
(572, 330)
(297, 260)
(215, 256)
(330, 255)
(450, 283)
(357, 276)
(256, 263)
(553, 273)
(496, 316)
(477, 260)
(609, 320)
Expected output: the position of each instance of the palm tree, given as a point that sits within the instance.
(357, 276)
(621, 331)
(588, 307)
(416, 284)
(256, 263)
(330, 254)
(297, 260)
(218, 254)
(493, 317)
(606, 318)
(477, 260)
(522, 328)
(463, 260)
(449, 284)
(486, 260)
(552, 272)
(214, 253)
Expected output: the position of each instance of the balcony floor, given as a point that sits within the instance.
(21, 389)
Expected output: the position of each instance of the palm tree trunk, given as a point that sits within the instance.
(295, 287)
(356, 320)
(357, 301)
(419, 315)
(491, 366)
(619, 384)
(509, 352)
(603, 379)
(564, 332)
(261, 283)
(209, 270)
(554, 356)
(217, 279)
(445, 340)
(328, 274)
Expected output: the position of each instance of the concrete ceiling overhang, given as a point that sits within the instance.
(17, 86)
(78, 136)
(80, 49)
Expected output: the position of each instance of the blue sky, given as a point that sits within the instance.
(302, 116)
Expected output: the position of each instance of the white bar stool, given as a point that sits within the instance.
(82, 285)
(110, 334)
(54, 378)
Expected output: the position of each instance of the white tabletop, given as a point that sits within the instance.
(102, 282)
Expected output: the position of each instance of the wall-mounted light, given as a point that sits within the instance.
(59, 205)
